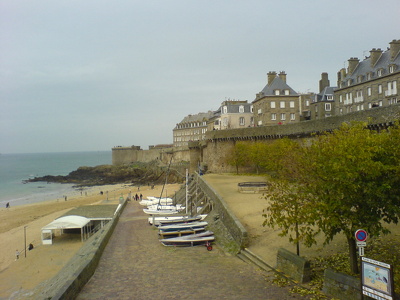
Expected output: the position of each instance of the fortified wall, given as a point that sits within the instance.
(127, 155)
(212, 152)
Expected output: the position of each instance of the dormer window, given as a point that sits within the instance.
(369, 76)
(287, 92)
(380, 72)
(241, 109)
(277, 92)
(359, 79)
(349, 82)
(392, 68)
(225, 109)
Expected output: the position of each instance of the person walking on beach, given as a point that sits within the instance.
(8, 205)
(16, 254)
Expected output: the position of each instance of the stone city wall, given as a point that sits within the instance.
(213, 151)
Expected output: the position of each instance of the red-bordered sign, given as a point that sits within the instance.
(361, 235)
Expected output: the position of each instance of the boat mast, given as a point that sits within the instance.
(166, 179)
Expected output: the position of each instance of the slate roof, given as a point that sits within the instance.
(327, 91)
(200, 117)
(234, 108)
(364, 67)
(278, 84)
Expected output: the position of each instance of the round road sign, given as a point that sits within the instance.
(361, 235)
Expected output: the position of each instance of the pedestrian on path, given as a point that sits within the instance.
(16, 254)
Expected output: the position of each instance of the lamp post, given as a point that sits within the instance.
(25, 239)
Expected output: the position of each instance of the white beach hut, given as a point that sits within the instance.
(63, 223)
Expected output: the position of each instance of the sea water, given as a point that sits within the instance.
(16, 168)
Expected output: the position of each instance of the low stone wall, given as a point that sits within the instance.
(341, 286)
(297, 267)
(236, 229)
(72, 278)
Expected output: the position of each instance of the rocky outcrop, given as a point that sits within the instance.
(137, 174)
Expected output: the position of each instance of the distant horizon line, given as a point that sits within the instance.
(55, 152)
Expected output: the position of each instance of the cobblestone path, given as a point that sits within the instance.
(135, 265)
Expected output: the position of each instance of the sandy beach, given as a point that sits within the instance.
(44, 261)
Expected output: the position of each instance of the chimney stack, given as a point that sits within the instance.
(353, 62)
(271, 76)
(341, 75)
(375, 55)
(394, 49)
(324, 82)
(282, 75)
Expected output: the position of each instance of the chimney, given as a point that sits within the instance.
(394, 49)
(341, 75)
(353, 62)
(282, 75)
(271, 76)
(375, 55)
(324, 82)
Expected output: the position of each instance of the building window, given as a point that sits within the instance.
(241, 109)
(380, 89)
(292, 116)
(225, 121)
(241, 121)
(369, 91)
(273, 104)
(273, 117)
(307, 103)
(225, 110)
(391, 69)
(259, 111)
(341, 98)
(252, 121)
(251, 109)
(287, 92)
(283, 117)
(380, 72)
(259, 123)
(291, 104)
(276, 92)
(328, 107)
(282, 104)
(329, 98)
(369, 76)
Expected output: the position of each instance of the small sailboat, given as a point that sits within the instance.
(204, 238)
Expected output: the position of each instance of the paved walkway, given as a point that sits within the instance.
(135, 265)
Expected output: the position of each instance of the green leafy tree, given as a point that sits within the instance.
(239, 156)
(258, 152)
(351, 177)
(347, 179)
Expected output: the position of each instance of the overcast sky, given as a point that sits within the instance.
(93, 74)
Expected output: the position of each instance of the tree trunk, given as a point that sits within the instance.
(353, 255)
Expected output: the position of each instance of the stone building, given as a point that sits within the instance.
(277, 103)
(232, 114)
(191, 128)
(323, 104)
(369, 83)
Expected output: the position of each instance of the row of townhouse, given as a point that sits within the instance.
(362, 85)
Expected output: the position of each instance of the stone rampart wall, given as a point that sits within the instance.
(126, 155)
(236, 229)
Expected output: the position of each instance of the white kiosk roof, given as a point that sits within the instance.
(67, 222)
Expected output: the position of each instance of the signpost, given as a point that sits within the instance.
(361, 237)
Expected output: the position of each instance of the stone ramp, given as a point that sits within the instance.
(135, 265)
